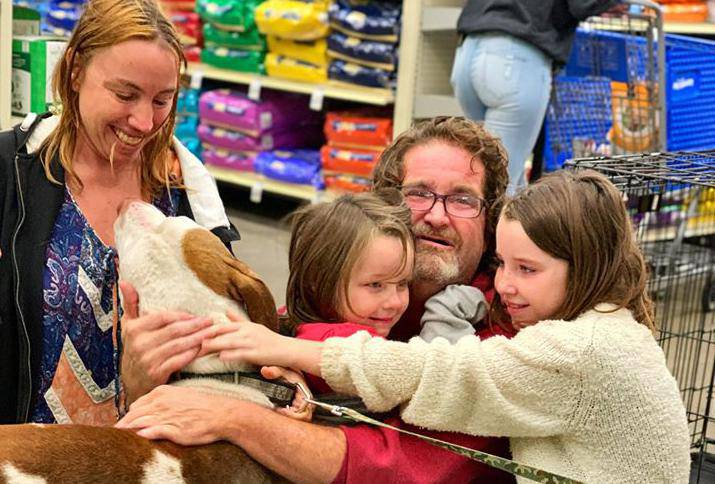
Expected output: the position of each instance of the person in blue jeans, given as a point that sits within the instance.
(503, 68)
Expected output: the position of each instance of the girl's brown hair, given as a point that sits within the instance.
(580, 217)
(327, 240)
(105, 23)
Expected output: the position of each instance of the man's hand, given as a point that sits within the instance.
(156, 344)
(183, 415)
(299, 409)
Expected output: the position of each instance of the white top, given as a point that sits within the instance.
(590, 399)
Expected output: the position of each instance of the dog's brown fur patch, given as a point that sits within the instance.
(79, 453)
(214, 265)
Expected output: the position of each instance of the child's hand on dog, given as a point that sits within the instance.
(256, 344)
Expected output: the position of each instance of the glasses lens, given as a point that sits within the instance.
(464, 205)
(419, 199)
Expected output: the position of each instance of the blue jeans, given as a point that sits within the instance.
(506, 83)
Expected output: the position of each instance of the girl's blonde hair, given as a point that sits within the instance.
(328, 239)
(105, 23)
(580, 217)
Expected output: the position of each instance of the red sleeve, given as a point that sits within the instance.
(375, 454)
(321, 332)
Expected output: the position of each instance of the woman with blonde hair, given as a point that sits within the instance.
(64, 178)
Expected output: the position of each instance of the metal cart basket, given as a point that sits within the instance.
(671, 199)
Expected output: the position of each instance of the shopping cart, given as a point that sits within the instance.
(671, 199)
(607, 98)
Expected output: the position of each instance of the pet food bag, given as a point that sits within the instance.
(233, 59)
(349, 160)
(368, 19)
(235, 15)
(233, 160)
(356, 130)
(310, 51)
(287, 68)
(293, 19)
(361, 75)
(346, 183)
(380, 55)
(297, 166)
(233, 110)
(250, 39)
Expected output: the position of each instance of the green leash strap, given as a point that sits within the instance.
(495, 461)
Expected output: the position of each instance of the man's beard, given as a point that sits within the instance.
(438, 266)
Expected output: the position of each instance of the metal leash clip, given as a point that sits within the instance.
(308, 399)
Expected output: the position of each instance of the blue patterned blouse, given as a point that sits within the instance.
(78, 377)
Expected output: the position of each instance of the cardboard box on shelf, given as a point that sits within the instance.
(33, 60)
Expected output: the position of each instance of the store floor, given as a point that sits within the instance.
(264, 235)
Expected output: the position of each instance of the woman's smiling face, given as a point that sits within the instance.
(530, 282)
(126, 94)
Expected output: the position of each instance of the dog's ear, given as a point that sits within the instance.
(246, 286)
(214, 265)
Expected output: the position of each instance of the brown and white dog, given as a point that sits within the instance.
(174, 264)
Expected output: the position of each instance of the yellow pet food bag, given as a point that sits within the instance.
(287, 68)
(311, 51)
(292, 19)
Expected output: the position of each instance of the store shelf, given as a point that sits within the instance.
(438, 19)
(669, 233)
(260, 184)
(689, 28)
(332, 89)
(431, 105)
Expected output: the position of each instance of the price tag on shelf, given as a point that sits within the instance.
(316, 100)
(196, 78)
(254, 90)
(256, 192)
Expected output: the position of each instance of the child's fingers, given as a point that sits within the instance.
(225, 340)
(232, 355)
(235, 317)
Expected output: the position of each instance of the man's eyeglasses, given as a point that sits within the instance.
(460, 205)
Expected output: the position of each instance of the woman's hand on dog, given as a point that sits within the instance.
(156, 344)
(256, 344)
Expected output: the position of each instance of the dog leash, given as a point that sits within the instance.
(521, 470)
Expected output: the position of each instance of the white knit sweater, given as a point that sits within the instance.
(589, 399)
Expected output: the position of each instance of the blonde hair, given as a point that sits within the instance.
(465, 134)
(105, 23)
(580, 217)
(327, 240)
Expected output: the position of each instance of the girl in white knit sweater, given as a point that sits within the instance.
(582, 390)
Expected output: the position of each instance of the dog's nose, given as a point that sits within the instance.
(125, 205)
